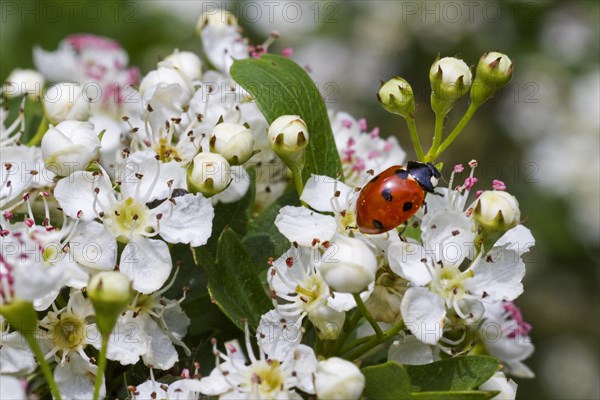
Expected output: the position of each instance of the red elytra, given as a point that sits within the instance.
(388, 200)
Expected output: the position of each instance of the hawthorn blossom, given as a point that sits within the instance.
(236, 377)
(149, 329)
(183, 389)
(439, 283)
(15, 356)
(505, 336)
(66, 333)
(362, 150)
(126, 216)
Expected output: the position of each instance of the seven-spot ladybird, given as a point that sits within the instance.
(393, 196)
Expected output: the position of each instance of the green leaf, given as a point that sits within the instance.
(460, 395)
(233, 215)
(263, 239)
(386, 381)
(454, 374)
(233, 282)
(282, 87)
(205, 317)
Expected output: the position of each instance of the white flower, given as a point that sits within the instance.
(66, 101)
(166, 78)
(348, 265)
(188, 62)
(69, 146)
(506, 386)
(23, 82)
(183, 389)
(362, 151)
(262, 377)
(221, 39)
(22, 170)
(440, 284)
(27, 271)
(15, 356)
(233, 141)
(66, 333)
(97, 63)
(506, 336)
(337, 378)
(149, 329)
(126, 216)
(295, 280)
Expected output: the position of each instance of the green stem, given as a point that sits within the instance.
(437, 137)
(39, 355)
(374, 341)
(101, 366)
(363, 310)
(348, 328)
(412, 129)
(457, 130)
(298, 182)
(42, 129)
(355, 343)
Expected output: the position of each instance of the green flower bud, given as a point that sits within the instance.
(209, 174)
(288, 137)
(450, 80)
(396, 96)
(110, 293)
(20, 315)
(233, 141)
(497, 211)
(493, 73)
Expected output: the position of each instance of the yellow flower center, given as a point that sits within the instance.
(128, 218)
(166, 151)
(312, 293)
(67, 331)
(268, 377)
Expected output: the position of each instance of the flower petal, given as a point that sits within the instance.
(147, 263)
(161, 352)
(188, 220)
(76, 193)
(76, 377)
(302, 226)
(320, 189)
(423, 313)
(409, 350)
(497, 275)
(94, 246)
(407, 260)
(449, 235)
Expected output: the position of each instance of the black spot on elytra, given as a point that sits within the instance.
(387, 194)
(401, 173)
(377, 224)
(407, 206)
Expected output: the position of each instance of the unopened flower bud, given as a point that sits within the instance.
(396, 96)
(215, 19)
(497, 210)
(24, 82)
(65, 101)
(187, 62)
(233, 141)
(163, 76)
(450, 79)
(327, 322)
(493, 73)
(110, 293)
(348, 265)
(209, 174)
(337, 378)
(69, 146)
(288, 137)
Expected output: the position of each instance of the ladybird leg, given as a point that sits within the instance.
(437, 193)
(401, 232)
(424, 206)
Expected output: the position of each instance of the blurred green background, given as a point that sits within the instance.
(540, 135)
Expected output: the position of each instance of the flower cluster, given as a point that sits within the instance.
(98, 202)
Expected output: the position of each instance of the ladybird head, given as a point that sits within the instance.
(425, 174)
